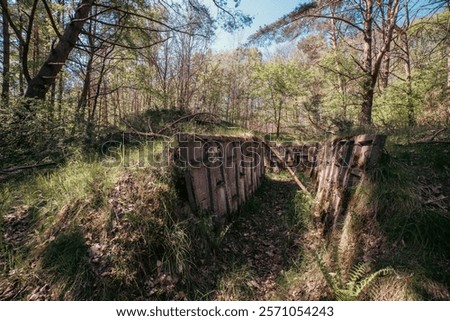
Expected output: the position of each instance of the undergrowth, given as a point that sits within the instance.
(398, 218)
(351, 286)
(114, 228)
(90, 231)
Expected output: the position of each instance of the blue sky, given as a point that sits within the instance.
(267, 11)
(263, 11)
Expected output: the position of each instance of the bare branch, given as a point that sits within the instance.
(11, 23)
(50, 16)
(26, 44)
(121, 45)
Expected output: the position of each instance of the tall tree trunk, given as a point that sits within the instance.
(90, 127)
(278, 111)
(365, 116)
(36, 50)
(334, 45)
(372, 65)
(407, 59)
(41, 83)
(60, 17)
(60, 95)
(386, 61)
(6, 57)
(385, 68)
(21, 77)
(448, 65)
(84, 97)
(409, 92)
(51, 106)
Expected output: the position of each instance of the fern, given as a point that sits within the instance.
(358, 279)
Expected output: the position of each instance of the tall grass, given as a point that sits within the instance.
(98, 231)
(236, 285)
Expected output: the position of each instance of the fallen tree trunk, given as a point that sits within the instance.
(291, 172)
(20, 168)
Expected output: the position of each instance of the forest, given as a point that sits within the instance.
(91, 86)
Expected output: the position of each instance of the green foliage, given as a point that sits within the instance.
(66, 254)
(70, 205)
(207, 233)
(30, 134)
(178, 250)
(236, 285)
(349, 288)
(412, 211)
(76, 181)
(300, 216)
(277, 83)
(425, 99)
(156, 119)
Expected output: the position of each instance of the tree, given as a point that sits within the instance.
(276, 82)
(6, 56)
(405, 56)
(40, 84)
(361, 18)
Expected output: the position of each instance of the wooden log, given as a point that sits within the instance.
(294, 176)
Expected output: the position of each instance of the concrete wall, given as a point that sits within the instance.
(341, 165)
(298, 157)
(220, 172)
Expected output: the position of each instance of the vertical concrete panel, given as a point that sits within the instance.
(222, 172)
(199, 179)
(343, 164)
(231, 182)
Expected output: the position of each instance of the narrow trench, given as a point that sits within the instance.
(258, 246)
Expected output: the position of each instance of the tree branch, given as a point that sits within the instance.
(26, 44)
(109, 42)
(50, 16)
(11, 23)
(350, 23)
(294, 176)
(20, 168)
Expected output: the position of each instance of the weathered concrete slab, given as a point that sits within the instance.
(341, 165)
(221, 172)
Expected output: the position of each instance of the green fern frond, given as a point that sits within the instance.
(362, 284)
(357, 272)
(357, 281)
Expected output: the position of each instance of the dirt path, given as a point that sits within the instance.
(259, 246)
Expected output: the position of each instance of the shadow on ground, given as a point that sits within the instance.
(259, 245)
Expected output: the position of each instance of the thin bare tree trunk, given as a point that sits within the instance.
(409, 92)
(60, 16)
(407, 59)
(51, 106)
(368, 90)
(21, 77)
(385, 68)
(334, 44)
(36, 50)
(84, 97)
(448, 67)
(60, 95)
(372, 65)
(6, 57)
